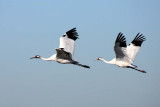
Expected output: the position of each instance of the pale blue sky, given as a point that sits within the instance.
(30, 27)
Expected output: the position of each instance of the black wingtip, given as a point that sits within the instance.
(121, 39)
(138, 40)
(72, 34)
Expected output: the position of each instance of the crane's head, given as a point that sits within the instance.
(37, 56)
(99, 58)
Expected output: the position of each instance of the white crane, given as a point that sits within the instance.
(66, 50)
(125, 55)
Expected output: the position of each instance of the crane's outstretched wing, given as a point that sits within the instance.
(134, 46)
(67, 41)
(120, 47)
(61, 54)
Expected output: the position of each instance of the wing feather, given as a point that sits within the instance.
(63, 54)
(120, 47)
(67, 41)
(134, 47)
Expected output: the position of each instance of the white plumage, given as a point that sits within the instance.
(68, 43)
(125, 55)
(65, 51)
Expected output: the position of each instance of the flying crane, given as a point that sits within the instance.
(66, 50)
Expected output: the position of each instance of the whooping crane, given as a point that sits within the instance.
(66, 50)
(125, 55)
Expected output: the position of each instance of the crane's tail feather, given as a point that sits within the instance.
(85, 66)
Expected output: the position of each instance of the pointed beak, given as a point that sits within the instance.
(32, 57)
(95, 60)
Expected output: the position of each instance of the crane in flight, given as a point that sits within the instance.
(66, 50)
(125, 55)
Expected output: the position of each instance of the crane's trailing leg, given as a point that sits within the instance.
(77, 63)
(137, 69)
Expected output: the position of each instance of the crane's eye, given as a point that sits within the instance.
(37, 56)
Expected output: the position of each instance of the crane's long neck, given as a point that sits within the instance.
(45, 59)
(108, 62)
(52, 58)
